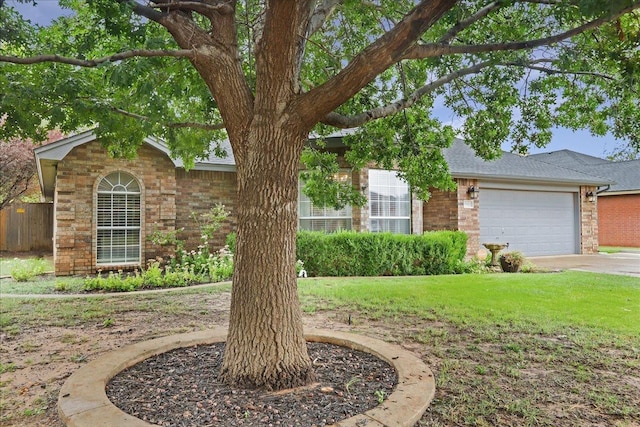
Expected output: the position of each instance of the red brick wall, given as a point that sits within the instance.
(445, 211)
(198, 191)
(440, 212)
(619, 220)
(588, 222)
(77, 178)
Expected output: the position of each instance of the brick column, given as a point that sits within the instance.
(588, 221)
(469, 214)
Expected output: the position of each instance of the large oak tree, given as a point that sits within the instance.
(266, 73)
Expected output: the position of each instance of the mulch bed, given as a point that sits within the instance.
(180, 388)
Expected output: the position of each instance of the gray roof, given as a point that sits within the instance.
(212, 161)
(463, 162)
(626, 175)
(568, 158)
(560, 167)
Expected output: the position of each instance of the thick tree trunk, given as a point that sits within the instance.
(266, 346)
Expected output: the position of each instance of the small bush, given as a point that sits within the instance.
(474, 265)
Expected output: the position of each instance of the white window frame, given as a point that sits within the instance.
(326, 214)
(118, 220)
(392, 182)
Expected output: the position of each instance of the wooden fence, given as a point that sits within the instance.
(26, 227)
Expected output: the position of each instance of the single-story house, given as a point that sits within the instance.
(618, 204)
(105, 209)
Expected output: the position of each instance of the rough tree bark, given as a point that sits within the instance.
(265, 346)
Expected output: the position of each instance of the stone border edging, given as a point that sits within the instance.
(83, 401)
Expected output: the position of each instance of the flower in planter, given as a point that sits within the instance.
(511, 261)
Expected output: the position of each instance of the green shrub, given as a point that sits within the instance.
(27, 269)
(196, 268)
(231, 242)
(381, 254)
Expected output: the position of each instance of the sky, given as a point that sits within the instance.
(580, 141)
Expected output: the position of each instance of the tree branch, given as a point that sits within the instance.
(202, 8)
(141, 53)
(531, 65)
(373, 60)
(320, 15)
(145, 11)
(173, 125)
(345, 122)
(438, 49)
(466, 23)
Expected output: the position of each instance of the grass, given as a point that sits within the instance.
(17, 314)
(42, 285)
(552, 301)
(548, 349)
(7, 264)
(616, 249)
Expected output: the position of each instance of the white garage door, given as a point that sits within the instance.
(533, 222)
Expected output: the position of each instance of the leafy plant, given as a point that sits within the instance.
(380, 395)
(28, 269)
(511, 261)
(210, 221)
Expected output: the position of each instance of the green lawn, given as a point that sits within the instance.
(505, 349)
(551, 301)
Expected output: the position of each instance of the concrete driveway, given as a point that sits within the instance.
(623, 263)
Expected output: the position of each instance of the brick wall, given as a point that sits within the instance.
(198, 191)
(619, 220)
(446, 210)
(77, 178)
(440, 212)
(469, 214)
(588, 222)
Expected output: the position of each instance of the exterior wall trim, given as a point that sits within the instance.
(503, 185)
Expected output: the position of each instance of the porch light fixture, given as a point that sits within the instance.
(473, 192)
(591, 196)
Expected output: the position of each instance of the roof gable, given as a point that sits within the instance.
(48, 156)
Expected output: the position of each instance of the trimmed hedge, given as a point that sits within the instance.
(351, 253)
(381, 254)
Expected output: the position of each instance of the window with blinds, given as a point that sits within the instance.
(389, 202)
(118, 220)
(327, 219)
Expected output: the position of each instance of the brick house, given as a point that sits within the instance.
(105, 208)
(618, 204)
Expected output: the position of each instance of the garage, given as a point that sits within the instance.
(532, 221)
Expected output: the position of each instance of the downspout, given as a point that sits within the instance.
(598, 190)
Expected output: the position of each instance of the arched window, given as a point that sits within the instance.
(118, 220)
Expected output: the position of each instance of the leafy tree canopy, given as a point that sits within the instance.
(510, 70)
